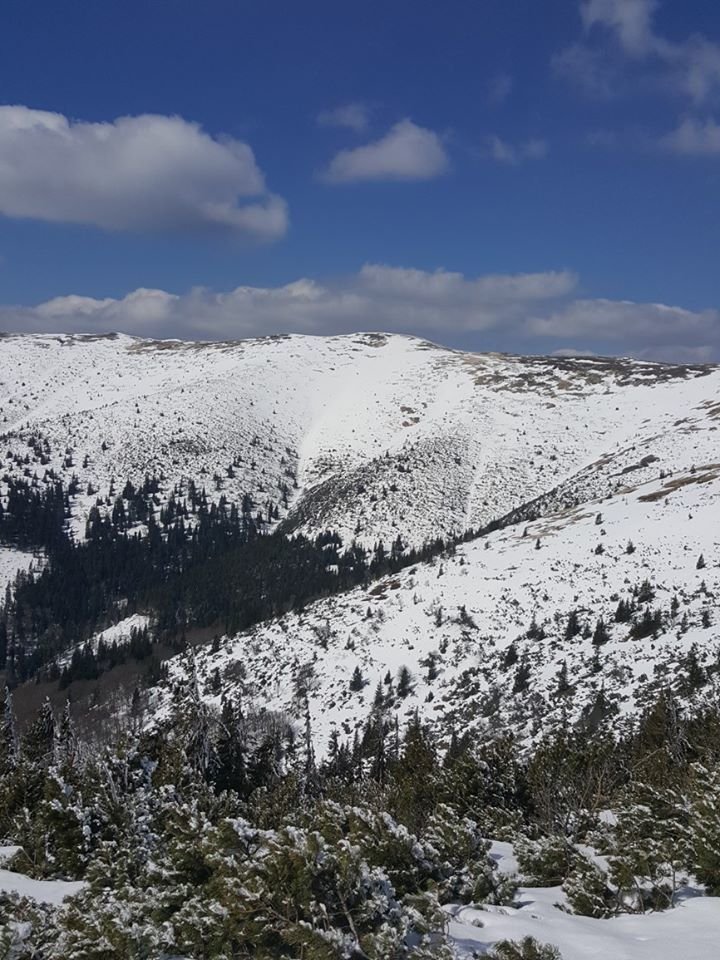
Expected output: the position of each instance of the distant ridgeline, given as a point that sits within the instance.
(184, 561)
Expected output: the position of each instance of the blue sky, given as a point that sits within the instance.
(522, 175)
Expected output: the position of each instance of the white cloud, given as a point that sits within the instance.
(631, 20)
(450, 287)
(572, 352)
(406, 152)
(590, 71)
(535, 149)
(504, 152)
(694, 137)
(526, 311)
(626, 322)
(353, 116)
(139, 173)
(378, 297)
(604, 139)
(501, 151)
(689, 67)
(681, 353)
(499, 89)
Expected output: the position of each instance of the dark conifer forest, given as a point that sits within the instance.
(191, 563)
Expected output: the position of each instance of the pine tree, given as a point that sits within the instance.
(572, 628)
(405, 685)
(704, 826)
(39, 740)
(600, 635)
(310, 778)
(623, 613)
(526, 949)
(510, 657)
(646, 593)
(695, 674)
(522, 677)
(9, 746)
(650, 846)
(230, 770)
(563, 684)
(66, 744)
(587, 889)
(414, 785)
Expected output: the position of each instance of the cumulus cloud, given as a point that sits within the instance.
(681, 353)
(694, 137)
(378, 297)
(534, 312)
(688, 67)
(643, 329)
(631, 20)
(138, 173)
(537, 312)
(450, 287)
(499, 89)
(514, 154)
(353, 116)
(406, 152)
(571, 352)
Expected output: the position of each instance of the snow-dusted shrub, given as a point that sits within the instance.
(526, 949)
(587, 889)
(545, 862)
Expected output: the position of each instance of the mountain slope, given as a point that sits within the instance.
(372, 435)
(454, 621)
(384, 436)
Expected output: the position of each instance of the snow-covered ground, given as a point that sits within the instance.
(463, 613)
(689, 931)
(119, 633)
(373, 435)
(12, 562)
(42, 891)
(379, 435)
(376, 436)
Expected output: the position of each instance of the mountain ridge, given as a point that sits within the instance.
(391, 438)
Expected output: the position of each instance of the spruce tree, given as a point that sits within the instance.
(9, 746)
(39, 739)
(405, 684)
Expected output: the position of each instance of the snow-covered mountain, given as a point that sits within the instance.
(469, 625)
(374, 435)
(377, 436)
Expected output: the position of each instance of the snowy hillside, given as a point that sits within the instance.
(372, 435)
(485, 632)
(378, 436)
